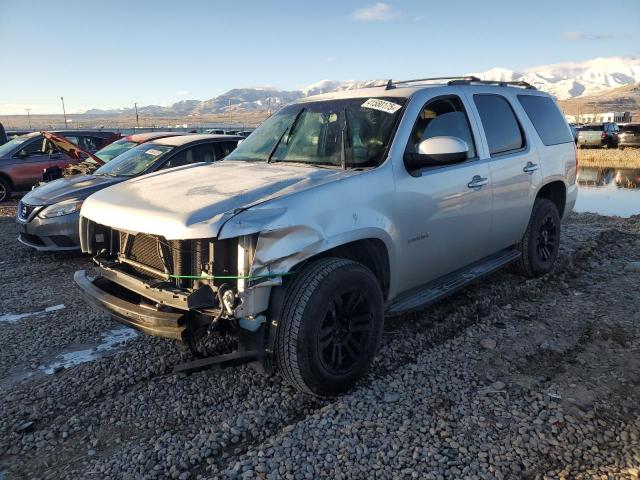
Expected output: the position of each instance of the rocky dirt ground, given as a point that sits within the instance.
(507, 379)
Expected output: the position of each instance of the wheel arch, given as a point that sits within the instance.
(556, 192)
(370, 252)
(7, 178)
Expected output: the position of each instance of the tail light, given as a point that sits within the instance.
(603, 135)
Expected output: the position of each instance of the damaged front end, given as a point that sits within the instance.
(180, 289)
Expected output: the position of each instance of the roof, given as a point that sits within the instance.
(185, 139)
(148, 136)
(406, 90)
(99, 133)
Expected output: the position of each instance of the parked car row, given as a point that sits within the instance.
(607, 135)
(24, 158)
(339, 210)
(48, 216)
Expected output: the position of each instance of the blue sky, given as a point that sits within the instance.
(109, 54)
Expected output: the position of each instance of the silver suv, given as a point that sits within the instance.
(339, 210)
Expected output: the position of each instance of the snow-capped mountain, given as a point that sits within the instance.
(574, 79)
(563, 80)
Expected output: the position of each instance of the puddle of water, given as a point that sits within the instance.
(609, 191)
(111, 340)
(14, 317)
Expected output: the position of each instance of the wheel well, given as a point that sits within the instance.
(370, 252)
(557, 193)
(5, 177)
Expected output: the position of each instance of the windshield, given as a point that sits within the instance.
(352, 133)
(113, 150)
(135, 160)
(8, 147)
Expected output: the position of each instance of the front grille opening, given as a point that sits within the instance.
(145, 249)
(62, 241)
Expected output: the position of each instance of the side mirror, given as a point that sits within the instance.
(436, 152)
(23, 153)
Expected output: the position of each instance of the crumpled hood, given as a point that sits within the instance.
(194, 201)
(77, 187)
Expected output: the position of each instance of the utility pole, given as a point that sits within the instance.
(64, 112)
(137, 121)
(29, 116)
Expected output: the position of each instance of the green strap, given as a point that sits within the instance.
(231, 277)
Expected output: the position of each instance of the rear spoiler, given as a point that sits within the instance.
(71, 149)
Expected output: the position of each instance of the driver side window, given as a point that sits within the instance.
(442, 117)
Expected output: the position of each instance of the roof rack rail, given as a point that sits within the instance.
(499, 83)
(465, 78)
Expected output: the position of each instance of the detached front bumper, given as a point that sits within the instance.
(146, 319)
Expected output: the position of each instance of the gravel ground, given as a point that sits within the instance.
(507, 379)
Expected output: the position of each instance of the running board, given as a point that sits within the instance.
(227, 360)
(425, 295)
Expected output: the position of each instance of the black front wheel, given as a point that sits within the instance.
(330, 326)
(541, 241)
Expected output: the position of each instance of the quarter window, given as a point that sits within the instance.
(442, 117)
(546, 119)
(226, 148)
(500, 124)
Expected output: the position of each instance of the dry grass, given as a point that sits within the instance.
(598, 157)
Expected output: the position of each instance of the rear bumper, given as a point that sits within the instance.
(148, 320)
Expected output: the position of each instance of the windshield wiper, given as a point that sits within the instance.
(289, 130)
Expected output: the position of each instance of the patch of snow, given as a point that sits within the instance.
(14, 317)
(110, 341)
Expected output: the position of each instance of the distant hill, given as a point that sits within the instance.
(623, 99)
(570, 80)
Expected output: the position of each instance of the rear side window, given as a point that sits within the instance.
(546, 119)
(500, 123)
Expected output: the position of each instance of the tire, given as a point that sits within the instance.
(5, 190)
(330, 326)
(539, 249)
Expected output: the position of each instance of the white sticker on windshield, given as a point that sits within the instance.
(153, 152)
(382, 105)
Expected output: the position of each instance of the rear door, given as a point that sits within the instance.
(513, 163)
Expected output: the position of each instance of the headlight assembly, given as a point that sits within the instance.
(60, 209)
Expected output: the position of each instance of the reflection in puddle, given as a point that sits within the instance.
(110, 340)
(609, 191)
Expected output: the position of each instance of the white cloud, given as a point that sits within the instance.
(182, 93)
(575, 36)
(331, 59)
(380, 12)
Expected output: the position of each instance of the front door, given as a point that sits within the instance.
(29, 163)
(444, 212)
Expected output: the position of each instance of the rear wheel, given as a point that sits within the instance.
(330, 327)
(541, 241)
(5, 190)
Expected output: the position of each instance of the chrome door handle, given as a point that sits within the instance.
(477, 182)
(530, 167)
